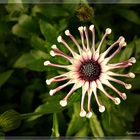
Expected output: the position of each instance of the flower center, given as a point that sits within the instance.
(90, 70)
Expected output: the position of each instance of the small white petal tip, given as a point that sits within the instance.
(67, 32)
(117, 101)
(89, 115)
(54, 46)
(131, 75)
(123, 96)
(52, 53)
(51, 92)
(101, 108)
(91, 27)
(108, 31)
(46, 63)
(85, 28)
(80, 28)
(133, 59)
(121, 39)
(63, 103)
(59, 38)
(128, 86)
(48, 82)
(122, 42)
(83, 113)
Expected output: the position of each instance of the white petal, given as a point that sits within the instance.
(128, 86)
(46, 63)
(108, 31)
(124, 97)
(72, 75)
(91, 27)
(48, 82)
(54, 46)
(89, 115)
(101, 109)
(117, 101)
(77, 57)
(52, 91)
(89, 54)
(83, 113)
(132, 75)
(59, 38)
(85, 87)
(78, 83)
(63, 103)
(67, 32)
(133, 59)
(103, 77)
(52, 53)
(84, 55)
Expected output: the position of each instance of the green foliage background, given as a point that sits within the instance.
(27, 32)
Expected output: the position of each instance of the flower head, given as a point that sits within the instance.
(90, 69)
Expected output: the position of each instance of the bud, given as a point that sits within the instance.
(10, 120)
(84, 12)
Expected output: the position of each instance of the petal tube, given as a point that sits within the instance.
(67, 32)
(91, 28)
(94, 88)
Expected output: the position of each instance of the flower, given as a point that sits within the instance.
(89, 69)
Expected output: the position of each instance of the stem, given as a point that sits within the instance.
(24, 116)
(96, 126)
(55, 129)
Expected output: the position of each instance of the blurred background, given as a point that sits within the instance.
(27, 32)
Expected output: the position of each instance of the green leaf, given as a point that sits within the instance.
(48, 30)
(4, 27)
(48, 11)
(137, 51)
(5, 76)
(38, 43)
(20, 31)
(135, 82)
(135, 68)
(25, 27)
(31, 1)
(76, 119)
(83, 132)
(37, 65)
(33, 61)
(129, 15)
(14, 1)
(127, 52)
(24, 60)
(14, 7)
(124, 54)
(118, 119)
(55, 129)
(10, 120)
(130, 107)
(28, 23)
(95, 126)
(75, 2)
(52, 105)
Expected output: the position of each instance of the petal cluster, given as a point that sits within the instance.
(89, 69)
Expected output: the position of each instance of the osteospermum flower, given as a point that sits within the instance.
(89, 69)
